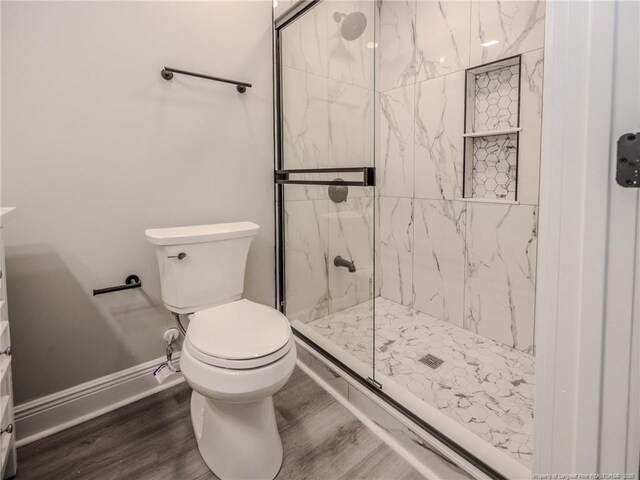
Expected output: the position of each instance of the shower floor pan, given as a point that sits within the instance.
(482, 385)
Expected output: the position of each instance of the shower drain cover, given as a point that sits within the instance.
(431, 361)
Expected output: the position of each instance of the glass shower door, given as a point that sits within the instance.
(325, 178)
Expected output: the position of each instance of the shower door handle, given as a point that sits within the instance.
(368, 176)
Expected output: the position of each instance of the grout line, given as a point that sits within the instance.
(451, 73)
(318, 75)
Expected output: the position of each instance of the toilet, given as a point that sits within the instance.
(236, 353)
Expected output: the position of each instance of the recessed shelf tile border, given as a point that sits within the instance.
(492, 127)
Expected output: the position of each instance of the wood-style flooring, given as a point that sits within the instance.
(153, 439)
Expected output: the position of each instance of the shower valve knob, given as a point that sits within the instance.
(180, 256)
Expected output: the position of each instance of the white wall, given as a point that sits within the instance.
(97, 147)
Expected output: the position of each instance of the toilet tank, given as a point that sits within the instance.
(203, 265)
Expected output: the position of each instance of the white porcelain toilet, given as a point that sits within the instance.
(236, 353)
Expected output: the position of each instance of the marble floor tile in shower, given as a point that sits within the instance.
(484, 385)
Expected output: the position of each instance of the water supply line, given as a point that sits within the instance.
(169, 347)
(170, 336)
(183, 330)
(169, 352)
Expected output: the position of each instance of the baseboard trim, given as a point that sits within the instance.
(45, 416)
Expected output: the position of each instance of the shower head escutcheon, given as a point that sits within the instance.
(353, 24)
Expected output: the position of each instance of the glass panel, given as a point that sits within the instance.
(327, 58)
(329, 270)
(457, 275)
(327, 98)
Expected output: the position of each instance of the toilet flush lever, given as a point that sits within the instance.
(180, 256)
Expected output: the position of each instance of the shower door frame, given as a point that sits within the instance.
(564, 445)
(281, 175)
(289, 16)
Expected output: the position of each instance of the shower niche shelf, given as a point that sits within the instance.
(492, 131)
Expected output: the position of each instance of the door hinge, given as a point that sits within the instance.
(628, 160)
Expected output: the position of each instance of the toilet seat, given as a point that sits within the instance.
(243, 364)
(238, 335)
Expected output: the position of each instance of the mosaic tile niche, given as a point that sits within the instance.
(494, 167)
(492, 130)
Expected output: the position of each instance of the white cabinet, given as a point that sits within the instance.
(8, 460)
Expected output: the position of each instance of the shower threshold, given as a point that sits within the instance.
(482, 385)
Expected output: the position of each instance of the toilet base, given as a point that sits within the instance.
(237, 440)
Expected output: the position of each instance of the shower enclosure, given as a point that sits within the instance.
(408, 145)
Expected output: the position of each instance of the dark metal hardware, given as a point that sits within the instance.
(167, 74)
(338, 193)
(368, 176)
(343, 262)
(431, 361)
(8, 430)
(292, 13)
(180, 256)
(375, 383)
(132, 281)
(6, 351)
(628, 160)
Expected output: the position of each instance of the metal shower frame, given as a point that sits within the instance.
(280, 176)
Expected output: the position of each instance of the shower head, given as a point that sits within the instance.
(353, 25)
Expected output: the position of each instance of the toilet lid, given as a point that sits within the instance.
(241, 330)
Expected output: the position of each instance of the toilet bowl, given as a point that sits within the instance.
(235, 357)
(236, 353)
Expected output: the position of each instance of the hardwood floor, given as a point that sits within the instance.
(153, 439)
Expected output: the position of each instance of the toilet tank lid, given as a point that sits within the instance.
(201, 233)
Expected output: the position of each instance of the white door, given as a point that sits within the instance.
(620, 423)
(587, 328)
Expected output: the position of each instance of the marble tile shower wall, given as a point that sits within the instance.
(317, 230)
(328, 103)
(470, 263)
